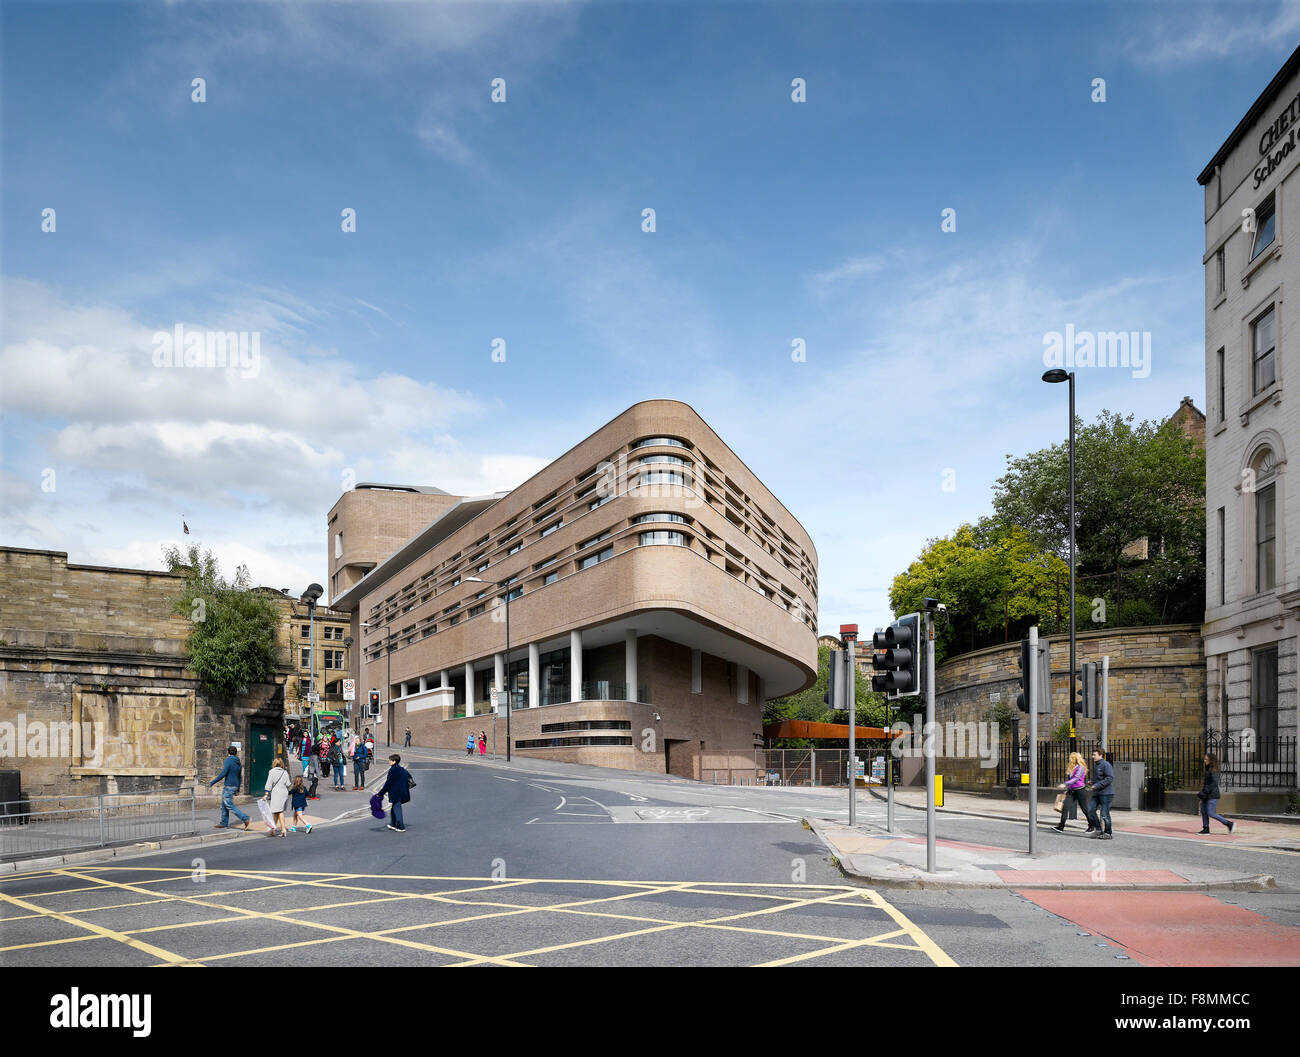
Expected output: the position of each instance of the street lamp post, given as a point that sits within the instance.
(506, 666)
(1059, 375)
(347, 673)
(313, 592)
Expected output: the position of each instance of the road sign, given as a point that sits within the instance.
(499, 700)
(313, 697)
(349, 689)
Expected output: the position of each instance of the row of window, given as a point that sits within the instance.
(668, 476)
(328, 632)
(333, 659)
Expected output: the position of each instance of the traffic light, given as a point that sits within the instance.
(1022, 698)
(374, 702)
(1043, 692)
(834, 677)
(1090, 691)
(896, 659)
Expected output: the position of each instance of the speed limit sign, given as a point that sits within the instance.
(349, 689)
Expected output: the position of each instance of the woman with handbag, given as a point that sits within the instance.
(1073, 786)
(277, 796)
(1210, 794)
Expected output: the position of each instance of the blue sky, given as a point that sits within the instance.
(521, 220)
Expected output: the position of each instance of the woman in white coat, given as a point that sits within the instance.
(277, 793)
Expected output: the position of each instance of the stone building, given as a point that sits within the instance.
(1252, 605)
(94, 693)
(657, 593)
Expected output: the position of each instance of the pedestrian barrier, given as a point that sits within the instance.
(48, 825)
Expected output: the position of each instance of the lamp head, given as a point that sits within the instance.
(1056, 375)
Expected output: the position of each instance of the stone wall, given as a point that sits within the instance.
(1157, 682)
(98, 651)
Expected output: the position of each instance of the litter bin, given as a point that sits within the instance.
(1129, 780)
(1155, 793)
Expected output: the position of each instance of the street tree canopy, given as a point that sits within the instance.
(1139, 538)
(1137, 487)
(810, 704)
(232, 642)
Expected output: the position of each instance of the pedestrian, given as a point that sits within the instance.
(313, 773)
(338, 765)
(1103, 792)
(369, 740)
(482, 742)
(230, 777)
(470, 742)
(407, 744)
(1074, 792)
(359, 757)
(1209, 796)
(277, 795)
(398, 787)
(298, 797)
(294, 766)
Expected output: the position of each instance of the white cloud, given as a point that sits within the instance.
(253, 463)
(847, 270)
(1195, 34)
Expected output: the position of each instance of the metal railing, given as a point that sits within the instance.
(1178, 763)
(814, 767)
(47, 825)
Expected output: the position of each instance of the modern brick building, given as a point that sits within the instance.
(657, 592)
(1252, 206)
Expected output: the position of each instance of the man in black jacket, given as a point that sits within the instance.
(1103, 792)
(398, 787)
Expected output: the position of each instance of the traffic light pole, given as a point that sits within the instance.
(1031, 695)
(929, 742)
(851, 689)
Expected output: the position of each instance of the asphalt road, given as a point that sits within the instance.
(562, 865)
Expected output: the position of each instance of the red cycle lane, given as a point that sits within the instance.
(1176, 928)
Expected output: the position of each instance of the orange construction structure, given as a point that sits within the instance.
(802, 728)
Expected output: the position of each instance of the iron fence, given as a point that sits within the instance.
(48, 825)
(1178, 763)
(820, 767)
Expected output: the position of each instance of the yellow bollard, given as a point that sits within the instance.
(938, 790)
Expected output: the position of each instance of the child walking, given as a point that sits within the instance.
(298, 795)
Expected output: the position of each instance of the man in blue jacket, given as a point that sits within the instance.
(230, 774)
(398, 787)
(1103, 792)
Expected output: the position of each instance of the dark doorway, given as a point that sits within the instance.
(261, 753)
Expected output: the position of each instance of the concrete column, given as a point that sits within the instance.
(469, 689)
(629, 663)
(742, 685)
(424, 683)
(446, 678)
(499, 671)
(697, 672)
(575, 665)
(534, 675)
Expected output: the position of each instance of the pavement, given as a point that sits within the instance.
(870, 853)
(329, 808)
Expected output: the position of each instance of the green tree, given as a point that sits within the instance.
(995, 581)
(232, 642)
(1133, 483)
(810, 704)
